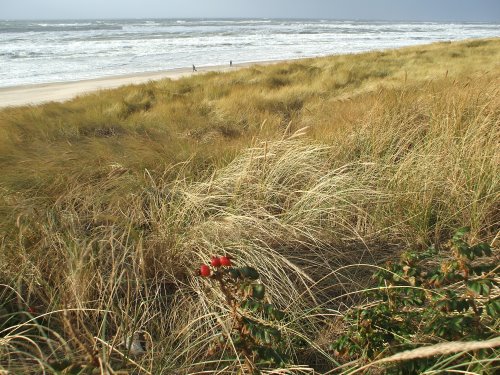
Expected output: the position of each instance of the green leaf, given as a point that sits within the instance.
(474, 286)
(460, 233)
(480, 287)
(276, 333)
(278, 314)
(249, 272)
(493, 308)
(486, 287)
(267, 337)
(257, 306)
(481, 249)
(245, 304)
(258, 291)
(462, 305)
(272, 312)
(234, 273)
(437, 278)
(251, 305)
(278, 359)
(467, 252)
(482, 268)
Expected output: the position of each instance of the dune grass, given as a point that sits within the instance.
(313, 171)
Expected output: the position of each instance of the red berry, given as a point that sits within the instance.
(204, 270)
(225, 261)
(215, 262)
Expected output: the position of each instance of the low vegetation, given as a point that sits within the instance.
(312, 173)
(416, 301)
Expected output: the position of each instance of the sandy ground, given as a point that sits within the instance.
(61, 91)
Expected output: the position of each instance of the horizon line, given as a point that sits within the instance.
(247, 18)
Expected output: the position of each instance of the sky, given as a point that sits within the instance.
(392, 10)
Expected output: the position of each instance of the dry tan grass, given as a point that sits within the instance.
(110, 201)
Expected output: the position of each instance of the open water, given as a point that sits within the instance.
(56, 51)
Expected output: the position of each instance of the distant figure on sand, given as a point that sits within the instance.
(230, 62)
(194, 68)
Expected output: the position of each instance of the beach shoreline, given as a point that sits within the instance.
(40, 93)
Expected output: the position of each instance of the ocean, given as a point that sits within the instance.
(55, 51)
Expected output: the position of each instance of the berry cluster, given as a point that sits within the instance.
(216, 262)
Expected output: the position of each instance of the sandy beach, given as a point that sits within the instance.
(62, 91)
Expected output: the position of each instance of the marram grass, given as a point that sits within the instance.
(312, 171)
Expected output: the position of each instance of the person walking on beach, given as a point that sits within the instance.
(194, 68)
(230, 63)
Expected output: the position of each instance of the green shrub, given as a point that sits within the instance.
(251, 330)
(421, 301)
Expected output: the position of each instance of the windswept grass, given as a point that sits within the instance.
(306, 170)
